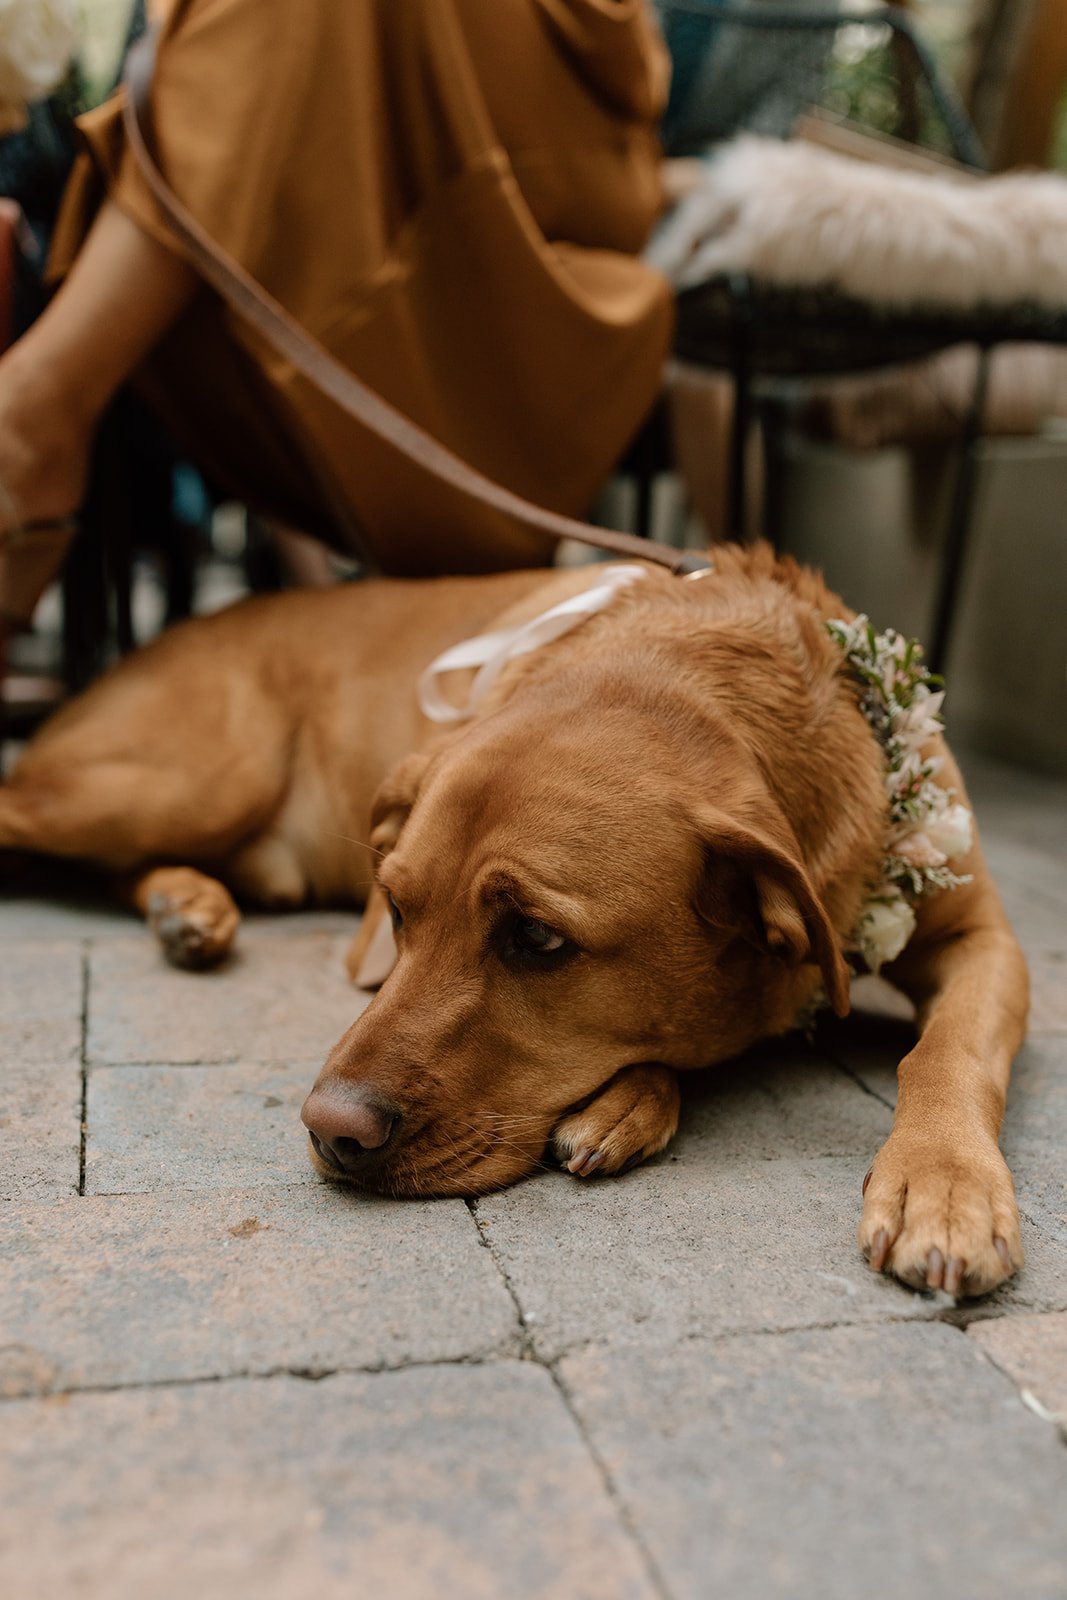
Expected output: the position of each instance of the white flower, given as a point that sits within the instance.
(921, 721)
(37, 41)
(951, 831)
(884, 929)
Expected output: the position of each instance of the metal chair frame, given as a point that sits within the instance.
(721, 323)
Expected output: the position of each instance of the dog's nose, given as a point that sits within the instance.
(345, 1125)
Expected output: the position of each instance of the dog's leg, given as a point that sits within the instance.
(940, 1205)
(120, 815)
(91, 813)
(193, 916)
(633, 1117)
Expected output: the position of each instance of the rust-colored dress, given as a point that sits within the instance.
(449, 195)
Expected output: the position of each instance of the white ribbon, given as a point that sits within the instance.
(490, 652)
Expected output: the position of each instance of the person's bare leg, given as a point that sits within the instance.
(122, 294)
(305, 561)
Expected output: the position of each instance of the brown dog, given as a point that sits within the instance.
(642, 855)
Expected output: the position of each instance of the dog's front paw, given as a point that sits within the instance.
(631, 1118)
(941, 1218)
(192, 916)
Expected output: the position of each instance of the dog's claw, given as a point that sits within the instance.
(879, 1250)
(1001, 1247)
(585, 1161)
(935, 1269)
(954, 1270)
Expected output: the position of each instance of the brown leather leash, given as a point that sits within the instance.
(256, 307)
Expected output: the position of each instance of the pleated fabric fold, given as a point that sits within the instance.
(449, 195)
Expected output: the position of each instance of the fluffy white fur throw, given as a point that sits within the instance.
(795, 214)
(37, 41)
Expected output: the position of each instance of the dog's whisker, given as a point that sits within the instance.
(516, 1119)
(493, 1139)
(363, 844)
(459, 1154)
(468, 1156)
(496, 1142)
(408, 1179)
(519, 1124)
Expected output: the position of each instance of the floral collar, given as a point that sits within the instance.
(928, 828)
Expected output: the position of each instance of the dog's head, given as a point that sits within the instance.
(569, 897)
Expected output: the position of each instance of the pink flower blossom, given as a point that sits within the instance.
(916, 848)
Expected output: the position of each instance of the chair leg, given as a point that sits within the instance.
(85, 603)
(737, 506)
(118, 538)
(773, 424)
(649, 454)
(97, 579)
(644, 483)
(957, 537)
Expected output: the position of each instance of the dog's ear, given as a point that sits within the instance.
(393, 802)
(372, 954)
(755, 882)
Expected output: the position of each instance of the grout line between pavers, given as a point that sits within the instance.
(611, 1489)
(259, 1375)
(83, 1054)
(967, 1314)
(231, 1060)
(215, 1061)
(529, 1353)
(487, 1358)
(728, 1335)
(849, 1072)
(1058, 1423)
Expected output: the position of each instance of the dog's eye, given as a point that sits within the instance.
(534, 943)
(537, 939)
(396, 914)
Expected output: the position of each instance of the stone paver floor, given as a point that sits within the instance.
(220, 1377)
